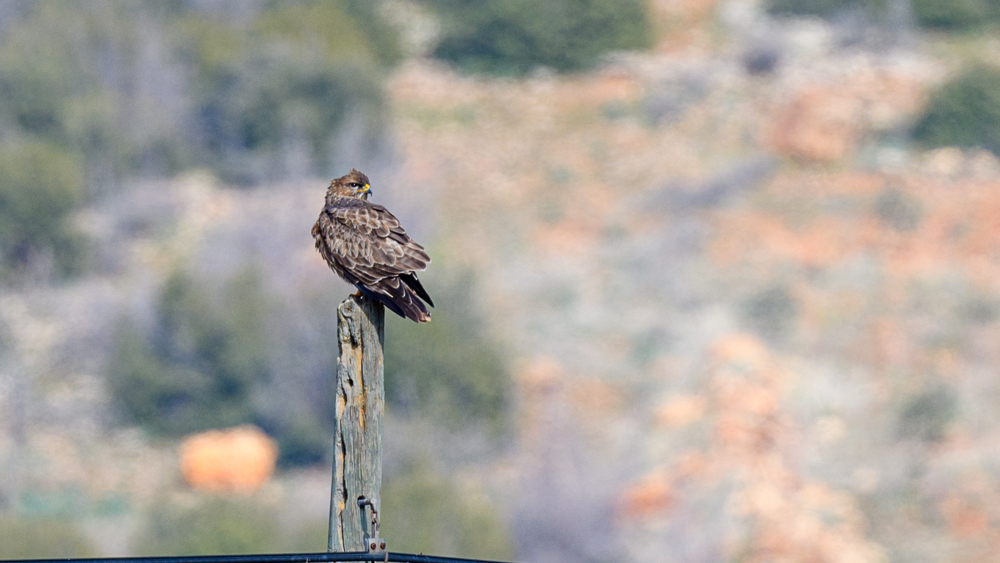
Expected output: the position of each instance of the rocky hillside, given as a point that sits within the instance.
(745, 317)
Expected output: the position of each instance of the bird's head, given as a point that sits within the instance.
(352, 184)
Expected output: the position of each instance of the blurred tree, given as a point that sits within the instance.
(39, 185)
(286, 82)
(213, 526)
(771, 313)
(201, 364)
(926, 416)
(822, 8)
(69, 84)
(425, 513)
(302, 440)
(338, 29)
(955, 14)
(151, 88)
(515, 36)
(448, 369)
(208, 357)
(899, 210)
(965, 112)
(42, 538)
(979, 309)
(939, 14)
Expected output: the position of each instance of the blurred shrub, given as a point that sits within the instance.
(199, 365)
(449, 368)
(339, 28)
(41, 74)
(292, 80)
(899, 210)
(67, 87)
(955, 14)
(212, 526)
(39, 185)
(771, 313)
(5, 339)
(937, 14)
(34, 538)
(926, 416)
(309, 536)
(423, 512)
(822, 8)
(302, 440)
(979, 309)
(152, 88)
(515, 36)
(965, 112)
(210, 354)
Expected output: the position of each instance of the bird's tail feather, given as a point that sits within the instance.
(414, 283)
(403, 302)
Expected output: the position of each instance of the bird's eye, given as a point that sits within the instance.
(354, 185)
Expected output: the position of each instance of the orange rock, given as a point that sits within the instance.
(235, 460)
(593, 397)
(542, 375)
(681, 411)
(825, 122)
(964, 517)
(612, 86)
(818, 124)
(650, 495)
(741, 348)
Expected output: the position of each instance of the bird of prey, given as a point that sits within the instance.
(368, 248)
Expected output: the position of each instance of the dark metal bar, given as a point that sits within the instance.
(269, 558)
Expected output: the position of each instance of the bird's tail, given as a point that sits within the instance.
(402, 301)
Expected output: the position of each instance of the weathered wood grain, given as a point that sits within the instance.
(357, 466)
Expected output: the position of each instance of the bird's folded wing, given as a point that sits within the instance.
(369, 240)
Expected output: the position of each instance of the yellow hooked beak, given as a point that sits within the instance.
(365, 190)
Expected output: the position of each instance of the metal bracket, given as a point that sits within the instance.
(373, 543)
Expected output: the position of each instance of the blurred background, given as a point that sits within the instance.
(717, 280)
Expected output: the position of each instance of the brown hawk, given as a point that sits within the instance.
(368, 248)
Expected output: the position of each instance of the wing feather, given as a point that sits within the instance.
(366, 245)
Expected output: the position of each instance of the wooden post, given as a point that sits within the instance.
(357, 455)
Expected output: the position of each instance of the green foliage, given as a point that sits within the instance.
(309, 536)
(899, 210)
(933, 14)
(39, 73)
(201, 363)
(979, 309)
(926, 416)
(423, 512)
(5, 339)
(449, 368)
(965, 112)
(42, 538)
(205, 360)
(292, 76)
(152, 87)
(338, 28)
(302, 441)
(39, 185)
(213, 526)
(515, 36)
(955, 14)
(771, 313)
(62, 85)
(822, 8)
